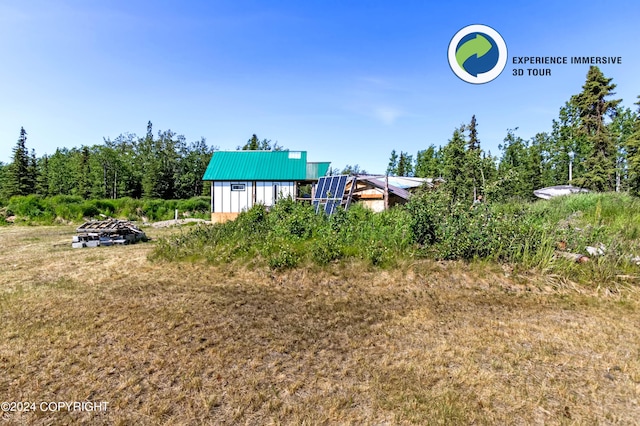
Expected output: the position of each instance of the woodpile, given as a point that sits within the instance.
(106, 233)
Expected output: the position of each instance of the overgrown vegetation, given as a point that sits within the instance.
(432, 225)
(34, 209)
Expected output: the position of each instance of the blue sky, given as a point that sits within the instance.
(348, 81)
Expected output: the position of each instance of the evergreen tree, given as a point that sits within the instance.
(621, 129)
(20, 179)
(405, 165)
(474, 143)
(392, 168)
(429, 163)
(32, 172)
(593, 108)
(255, 144)
(632, 145)
(474, 171)
(454, 166)
(42, 180)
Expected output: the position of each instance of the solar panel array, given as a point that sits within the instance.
(329, 193)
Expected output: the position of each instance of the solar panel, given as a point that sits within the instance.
(329, 193)
(342, 183)
(320, 189)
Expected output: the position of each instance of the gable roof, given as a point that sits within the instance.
(262, 165)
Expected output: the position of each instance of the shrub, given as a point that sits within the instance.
(327, 248)
(30, 208)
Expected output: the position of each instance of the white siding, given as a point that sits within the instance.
(264, 193)
(227, 201)
(266, 190)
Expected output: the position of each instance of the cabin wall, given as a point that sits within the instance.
(238, 196)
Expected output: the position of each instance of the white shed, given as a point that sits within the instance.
(241, 179)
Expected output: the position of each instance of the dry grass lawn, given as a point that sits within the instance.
(181, 343)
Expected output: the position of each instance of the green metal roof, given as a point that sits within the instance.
(317, 170)
(258, 165)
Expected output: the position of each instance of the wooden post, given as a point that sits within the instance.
(254, 193)
(354, 182)
(386, 192)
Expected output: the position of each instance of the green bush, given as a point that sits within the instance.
(36, 209)
(30, 209)
(456, 231)
(430, 225)
(196, 206)
(327, 248)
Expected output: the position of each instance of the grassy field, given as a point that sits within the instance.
(426, 343)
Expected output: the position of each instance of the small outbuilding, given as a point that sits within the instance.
(241, 179)
(370, 190)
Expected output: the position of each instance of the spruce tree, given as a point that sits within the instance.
(474, 143)
(405, 164)
(454, 165)
(474, 170)
(392, 168)
(632, 146)
(32, 172)
(621, 129)
(19, 180)
(593, 108)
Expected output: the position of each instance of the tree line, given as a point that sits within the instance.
(593, 134)
(154, 166)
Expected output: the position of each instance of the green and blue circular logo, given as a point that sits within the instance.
(477, 54)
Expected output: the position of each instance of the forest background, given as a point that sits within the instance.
(593, 132)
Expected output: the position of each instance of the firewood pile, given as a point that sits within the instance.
(106, 233)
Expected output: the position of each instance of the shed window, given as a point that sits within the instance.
(238, 186)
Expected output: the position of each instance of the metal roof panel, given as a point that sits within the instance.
(257, 165)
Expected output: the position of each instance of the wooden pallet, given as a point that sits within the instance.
(107, 232)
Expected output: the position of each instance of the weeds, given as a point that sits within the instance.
(430, 226)
(33, 209)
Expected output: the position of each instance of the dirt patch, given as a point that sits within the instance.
(168, 223)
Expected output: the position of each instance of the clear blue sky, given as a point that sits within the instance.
(348, 81)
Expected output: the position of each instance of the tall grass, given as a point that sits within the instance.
(292, 234)
(431, 225)
(33, 209)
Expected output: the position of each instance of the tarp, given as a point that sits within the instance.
(556, 191)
